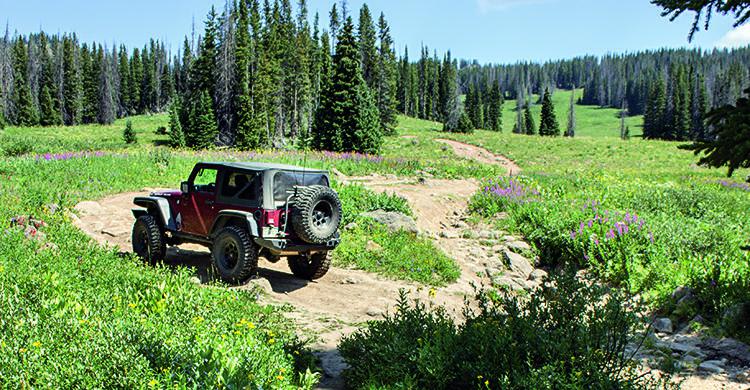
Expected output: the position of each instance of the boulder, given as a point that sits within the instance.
(260, 284)
(518, 246)
(373, 246)
(735, 350)
(711, 366)
(538, 275)
(663, 325)
(518, 263)
(394, 221)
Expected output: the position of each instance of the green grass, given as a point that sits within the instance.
(591, 121)
(56, 139)
(699, 224)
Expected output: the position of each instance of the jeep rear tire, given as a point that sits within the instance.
(317, 214)
(148, 239)
(234, 255)
(309, 267)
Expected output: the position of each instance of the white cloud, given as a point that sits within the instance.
(738, 37)
(489, 5)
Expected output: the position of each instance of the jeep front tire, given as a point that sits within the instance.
(148, 240)
(309, 267)
(234, 255)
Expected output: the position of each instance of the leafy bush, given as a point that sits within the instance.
(397, 254)
(14, 147)
(572, 336)
(356, 199)
(129, 134)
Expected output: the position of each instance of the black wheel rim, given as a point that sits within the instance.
(322, 215)
(229, 255)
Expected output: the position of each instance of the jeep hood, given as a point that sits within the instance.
(167, 193)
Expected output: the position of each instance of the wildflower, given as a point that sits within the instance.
(282, 370)
(250, 325)
(198, 319)
(36, 344)
(611, 234)
(596, 241)
(280, 377)
(152, 383)
(22, 350)
(431, 293)
(131, 305)
(651, 237)
(573, 235)
(271, 341)
(487, 383)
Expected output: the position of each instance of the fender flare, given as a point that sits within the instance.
(226, 215)
(157, 204)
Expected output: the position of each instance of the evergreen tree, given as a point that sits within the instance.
(548, 124)
(570, 130)
(654, 117)
(528, 120)
(386, 79)
(25, 112)
(123, 70)
(71, 83)
(204, 129)
(699, 110)
(129, 134)
(494, 117)
(366, 39)
(347, 118)
(105, 102)
(176, 135)
(681, 118)
(404, 85)
(731, 125)
(136, 80)
(49, 105)
(48, 109)
(464, 124)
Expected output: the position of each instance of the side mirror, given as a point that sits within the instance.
(185, 187)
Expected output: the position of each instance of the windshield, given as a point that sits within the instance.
(285, 181)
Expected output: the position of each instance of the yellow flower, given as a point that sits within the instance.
(282, 370)
(131, 305)
(81, 322)
(152, 382)
(251, 325)
(487, 383)
(280, 377)
(22, 350)
(198, 319)
(237, 332)
(271, 341)
(432, 293)
(36, 344)
(296, 352)
(2, 268)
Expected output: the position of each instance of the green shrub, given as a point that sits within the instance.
(161, 130)
(570, 336)
(401, 254)
(129, 134)
(14, 147)
(356, 199)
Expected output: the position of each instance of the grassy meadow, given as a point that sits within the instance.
(80, 315)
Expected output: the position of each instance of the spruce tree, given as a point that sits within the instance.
(176, 135)
(681, 118)
(570, 130)
(136, 80)
(347, 118)
(123, 70)
(464, 124)
(731, 126)
(25, 112)
(699, 110)
(494, 117)
(528, 120)
(204, 129)
(548, 124)
(386, 83)
(71, 83)
(404, 84)
(129, 134)
(654, 125)
(366, 39)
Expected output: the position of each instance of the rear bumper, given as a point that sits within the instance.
(283, 247)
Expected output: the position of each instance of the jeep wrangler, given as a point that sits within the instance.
(242, 211)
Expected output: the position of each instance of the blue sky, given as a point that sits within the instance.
(498, 31)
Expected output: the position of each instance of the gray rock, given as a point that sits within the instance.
(681, 292)
(511, 283)
(730, 348)
(518, 263)
(663, 325)
(682, 347)
(711, 367)
(372, 312)
(350, 280)
(476, 252)
(450, 234)
(394, 221)
(460, 225)
(518, 246)
(261, 284)
(351, 226)
(538, 275)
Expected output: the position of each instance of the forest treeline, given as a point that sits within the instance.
(674, 88)
(267, 74)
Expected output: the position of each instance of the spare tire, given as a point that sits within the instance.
(316, 214)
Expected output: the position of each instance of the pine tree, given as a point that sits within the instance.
(136, 80)
(123, 71)
(731, 125)
(681, 118)
(347, 118)
(464, 124)
(386, 83)
(404, 84)
(49, 104)
(494, 117)
(176, 135)
(528, 120)
(548, 124)
(25, 112)
(366, 39)
(204, 129)
(654, 123)
(570, 130)
(71, 83)
(699, 110)
(105, 102)
(129, 134)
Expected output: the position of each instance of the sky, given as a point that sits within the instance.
(490, 31)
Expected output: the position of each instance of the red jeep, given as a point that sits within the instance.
(242, 211)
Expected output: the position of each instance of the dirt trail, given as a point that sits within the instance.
(481, 155)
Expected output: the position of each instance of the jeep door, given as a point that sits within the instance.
(198, 209)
